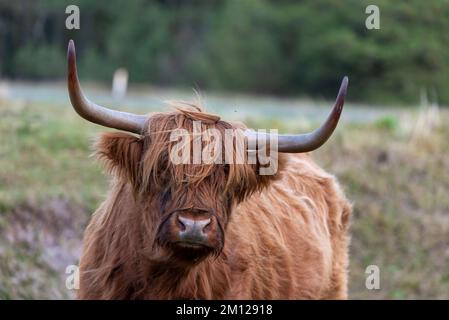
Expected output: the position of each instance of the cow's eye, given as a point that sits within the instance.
(165, 196)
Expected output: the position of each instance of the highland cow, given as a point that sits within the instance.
(215, 230)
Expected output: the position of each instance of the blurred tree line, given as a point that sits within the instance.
(260, 46)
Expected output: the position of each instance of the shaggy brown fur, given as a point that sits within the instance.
(285, 236)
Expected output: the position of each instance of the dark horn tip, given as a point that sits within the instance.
(344, 85)
(72, 77)
(339, 102)
(71, 49)
(342, 92)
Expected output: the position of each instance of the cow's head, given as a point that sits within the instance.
(184, 201)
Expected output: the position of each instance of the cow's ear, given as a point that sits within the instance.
(268, 173)
(120, 153)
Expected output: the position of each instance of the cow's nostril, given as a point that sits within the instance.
(181, 225)
(186, 223)
(193, 230)
(203, 224)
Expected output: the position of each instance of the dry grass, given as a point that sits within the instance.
(49, 186)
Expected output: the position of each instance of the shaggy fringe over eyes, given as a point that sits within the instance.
(242, 179)
(146, 163)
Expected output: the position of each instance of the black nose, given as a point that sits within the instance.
(192, 230)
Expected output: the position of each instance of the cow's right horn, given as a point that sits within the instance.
(297, 143)
(93, 112)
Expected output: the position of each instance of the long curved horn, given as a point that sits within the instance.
(315, 139)
(93, 112)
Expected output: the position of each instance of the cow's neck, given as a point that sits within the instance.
(208, 279)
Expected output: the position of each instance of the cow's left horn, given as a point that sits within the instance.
(315, 139)
(93, 112)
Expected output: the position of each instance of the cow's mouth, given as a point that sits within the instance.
(191, 251)
(192, 245)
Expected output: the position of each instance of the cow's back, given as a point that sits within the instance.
(290, 241)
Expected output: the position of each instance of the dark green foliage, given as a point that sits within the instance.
(261, 46)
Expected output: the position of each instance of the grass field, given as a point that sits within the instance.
(49, 186)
